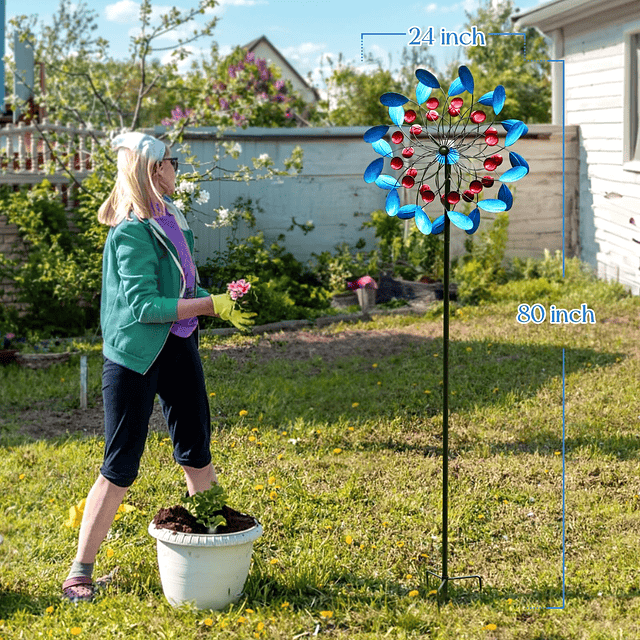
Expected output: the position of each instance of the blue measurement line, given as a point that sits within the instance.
(524, 54)
(362, 35)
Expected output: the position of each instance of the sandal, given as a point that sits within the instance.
(83, 589)
(78, 589)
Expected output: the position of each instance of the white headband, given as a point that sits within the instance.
(144, 144)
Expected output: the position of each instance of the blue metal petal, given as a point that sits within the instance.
(499, 96)
(438, 225)
(375, 133)
(456, 87)
(507, 125)
(460, 220)
(514, 174)
(493, 206)
(373, 170)
(392, 203)
(397, 115)
(382, 147)
(487, 99)
(506, 196)
(422, 93)
(517, 160)
(474, 216)
(427, 78)
(407, 212)
(422, 222)
(515, 133)
(393, 99)
(466, 78)
(387, 182)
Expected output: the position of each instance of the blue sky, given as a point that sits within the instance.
(305, 31)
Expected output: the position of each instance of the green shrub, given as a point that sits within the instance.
(481, 269)
(57, 273)
(284, 288)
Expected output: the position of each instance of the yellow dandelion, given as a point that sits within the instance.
(355, 404)
(414, 593)
(348, 540)
(433, 592)
(49, 609)
(260, 626)
(22, 476)
(326, 614)
(435, 355)
(400, 543)
(272, 480)
(241, 620)
(374, 365)
(126, 508)
(75, 631)
(252, 438)
(255, 429)
(427, 391)
(557, 452)
(118, 516)
(379, 382)
(273, 495)
(509, 600)
(274, 561)
(491, 627)
(284, 605)
(243, 412)
(469, 349)
(337, 450)
(480, 517)
(280, 456)
(351, 429)
(110, 553)
(408, 577)
(284, 433)
(259, 487)
(249, 611)
(208, 622)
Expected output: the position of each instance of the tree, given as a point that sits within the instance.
(354, 94)
(238, 90)
(526, 80)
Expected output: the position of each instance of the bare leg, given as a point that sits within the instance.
(99, 511)
(200, 479)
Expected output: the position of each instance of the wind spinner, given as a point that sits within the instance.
(449, 148)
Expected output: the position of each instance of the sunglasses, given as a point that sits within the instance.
(174, 162)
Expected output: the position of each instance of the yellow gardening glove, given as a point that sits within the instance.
(225, 308)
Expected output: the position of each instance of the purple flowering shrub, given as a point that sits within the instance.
(241, 91)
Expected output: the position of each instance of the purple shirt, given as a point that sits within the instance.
(183, 328)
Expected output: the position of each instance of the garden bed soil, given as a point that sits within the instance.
(177, 518)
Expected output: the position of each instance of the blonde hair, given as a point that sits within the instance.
(134, 190)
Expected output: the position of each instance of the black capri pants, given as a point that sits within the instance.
(178, 379)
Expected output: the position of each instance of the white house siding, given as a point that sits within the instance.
(594, 100)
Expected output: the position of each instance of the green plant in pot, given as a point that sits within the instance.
(204, 550)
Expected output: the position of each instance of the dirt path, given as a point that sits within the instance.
(42, 422)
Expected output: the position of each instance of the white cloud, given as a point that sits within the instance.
(123, 11)
(432, 8)
(303, 52)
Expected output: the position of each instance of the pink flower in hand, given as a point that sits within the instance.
(238, 288)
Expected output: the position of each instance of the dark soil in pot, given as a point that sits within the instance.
(177, 518)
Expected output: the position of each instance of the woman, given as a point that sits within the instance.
(149, 307)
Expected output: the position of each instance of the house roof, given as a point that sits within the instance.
(559, 13)
(282, 61)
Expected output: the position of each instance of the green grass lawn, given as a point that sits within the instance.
(341, 461)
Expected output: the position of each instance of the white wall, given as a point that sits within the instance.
(594, 98)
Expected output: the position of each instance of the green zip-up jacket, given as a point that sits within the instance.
(142, 281)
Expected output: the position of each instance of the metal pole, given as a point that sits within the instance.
(83, 382)
(445, 387)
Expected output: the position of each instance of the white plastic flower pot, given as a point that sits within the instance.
(208, 570)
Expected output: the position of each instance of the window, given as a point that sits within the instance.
(631, 144)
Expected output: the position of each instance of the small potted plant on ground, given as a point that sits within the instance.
(204, 550)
